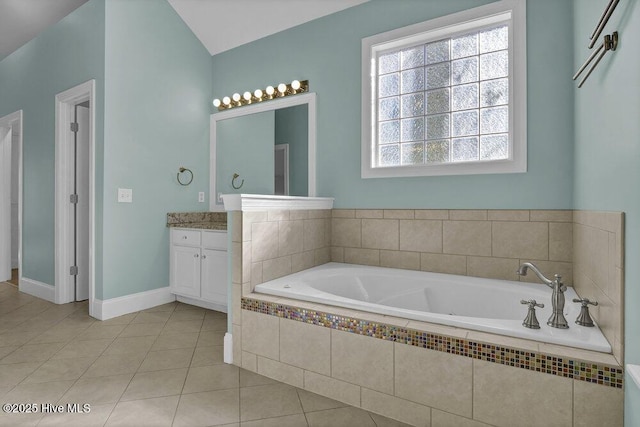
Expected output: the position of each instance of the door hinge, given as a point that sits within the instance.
(74, 127)
(73, 270)
(73, 198)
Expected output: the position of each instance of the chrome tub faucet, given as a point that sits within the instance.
(557, 319)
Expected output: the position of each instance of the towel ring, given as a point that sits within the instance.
(182, 170)
(233, 181)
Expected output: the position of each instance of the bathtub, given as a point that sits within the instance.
(486, 305)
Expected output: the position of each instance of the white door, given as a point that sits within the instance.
(82, 207)
(5, 203)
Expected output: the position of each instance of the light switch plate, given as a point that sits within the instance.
(125, 195)
(201, 197)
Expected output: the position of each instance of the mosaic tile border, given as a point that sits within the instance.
(611, 376)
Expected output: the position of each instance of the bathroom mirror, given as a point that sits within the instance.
(249, 140)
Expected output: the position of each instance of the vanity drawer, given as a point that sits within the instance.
(185, 237)
(214, 239)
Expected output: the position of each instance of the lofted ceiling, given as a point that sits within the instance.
(219, 24)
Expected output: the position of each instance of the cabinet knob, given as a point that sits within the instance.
(184, 237)
(204, 256)
(196, 255)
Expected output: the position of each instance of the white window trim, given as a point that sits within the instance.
(517, 92)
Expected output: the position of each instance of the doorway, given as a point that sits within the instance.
(10, 196)
(281, 170)
(74, 212)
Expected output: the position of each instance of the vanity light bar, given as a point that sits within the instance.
(259, 95)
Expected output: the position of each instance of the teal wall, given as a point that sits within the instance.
(607, 150)
(327, 52)
(292, 127)
(245, 146)
(157, 107)
(63, 56)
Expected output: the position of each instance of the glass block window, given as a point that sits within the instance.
(444, 98)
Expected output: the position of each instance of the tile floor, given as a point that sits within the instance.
(158, 367)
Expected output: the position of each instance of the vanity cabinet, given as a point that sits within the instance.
(198, 267)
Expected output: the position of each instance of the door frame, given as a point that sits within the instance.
(9, 121)
(64, 139)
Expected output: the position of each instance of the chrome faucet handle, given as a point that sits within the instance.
(562, 286)
(584, 318)
(531, 321)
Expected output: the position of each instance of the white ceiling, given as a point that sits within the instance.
(22, 20)
(219, 24)
(224, 24)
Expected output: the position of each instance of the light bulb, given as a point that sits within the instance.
(270, 90)
(216, 102)
(257, 93)
(236, 97)
(282, 88)
(295, 85)
(226, 100)
(247, 96)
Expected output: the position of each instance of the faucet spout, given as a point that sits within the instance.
(522, 271)
(557, 319)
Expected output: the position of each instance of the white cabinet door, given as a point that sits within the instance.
(214, 276)
(185, 271)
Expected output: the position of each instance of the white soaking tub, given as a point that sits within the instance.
(487, 305)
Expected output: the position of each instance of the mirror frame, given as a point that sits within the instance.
(291, 101)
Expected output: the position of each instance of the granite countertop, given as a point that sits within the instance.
(200, 220)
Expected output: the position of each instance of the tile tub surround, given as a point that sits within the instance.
(481, 243)
(200, 220)
(445, 376)
(598, 270)
(270, 360)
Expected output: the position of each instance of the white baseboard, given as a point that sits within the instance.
(204, 304)
(114, 307)
(37, 289)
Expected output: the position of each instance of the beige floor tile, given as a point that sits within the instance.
(182, 306)
(129, 345)
(175, 340)
(95, 418)
(59, 333)
(162, 308)
(298, 420)
(145, 385)
(208, 338)
(142, 329)
(19, 420)
(208, 355)
(120, 320)
(60, 370)
(17, 338)
(215, 377)
(117, 364)
(340, 417)
(158, 412)
(251, 379)
(38, 393)
(181, 315)
(167, 359)
(388, 422)
(268, 401)
(32, 353)
(312, 402)
(6, 350)
(214, 324)
(179, 326)
(99, 331)
(97, 391)
(151, 317)
(208, 408)
(91, 348)
(10, 375)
